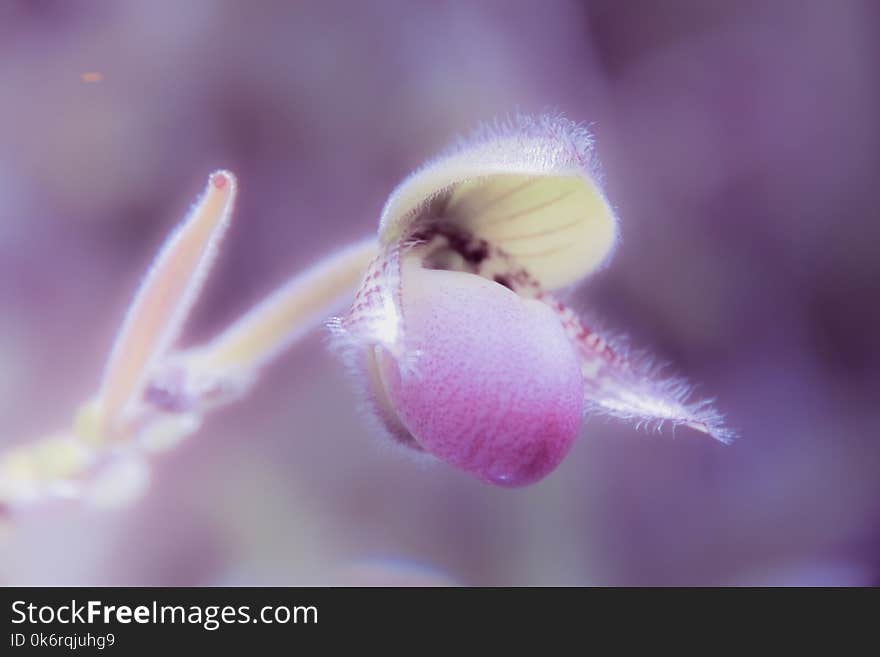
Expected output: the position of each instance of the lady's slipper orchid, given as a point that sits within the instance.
(461, 348)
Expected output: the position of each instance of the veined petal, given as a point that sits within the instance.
(530, 187)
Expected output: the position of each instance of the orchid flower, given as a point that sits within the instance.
(460, 344)
(457, 338)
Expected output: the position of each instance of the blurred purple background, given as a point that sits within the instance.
(740, 145)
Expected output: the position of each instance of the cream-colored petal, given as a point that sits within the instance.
(530, 188)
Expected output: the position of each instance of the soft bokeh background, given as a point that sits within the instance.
(740, 144)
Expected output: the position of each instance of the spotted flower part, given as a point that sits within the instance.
(460, 347)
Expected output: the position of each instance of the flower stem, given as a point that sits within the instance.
(300, 305)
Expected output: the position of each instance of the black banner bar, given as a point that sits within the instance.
(133, 620)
